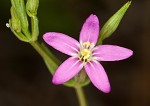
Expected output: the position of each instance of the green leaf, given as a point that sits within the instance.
(111, 25)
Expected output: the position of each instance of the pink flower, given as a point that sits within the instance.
(84, 54)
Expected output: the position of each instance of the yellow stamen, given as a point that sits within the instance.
(87, 44)
(85, 52)
(85, 55)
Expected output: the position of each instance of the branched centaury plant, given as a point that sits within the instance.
(19, 25)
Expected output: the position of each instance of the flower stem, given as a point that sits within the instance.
(81, 96)
(46, 55)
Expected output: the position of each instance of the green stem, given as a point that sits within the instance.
(47, 56)
(81, 96)
(35, 28)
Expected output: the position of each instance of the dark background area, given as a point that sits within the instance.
(25, 80)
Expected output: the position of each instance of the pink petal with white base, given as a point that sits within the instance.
(90, 30)
(111, 53)
(62, 42)
(98, 76)
(67, 70)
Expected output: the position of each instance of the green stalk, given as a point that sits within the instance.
(81, 96)
(47, 56)
(35, 28)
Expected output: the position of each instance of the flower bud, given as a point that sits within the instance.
(112, 24)
(32, 6)
(15, 22)
(19, 7)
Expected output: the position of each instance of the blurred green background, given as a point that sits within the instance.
(25, 80)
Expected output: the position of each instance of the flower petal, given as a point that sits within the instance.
(111, 53)
(62, 42)
(98, 76)
(67, 70)
(90, 30)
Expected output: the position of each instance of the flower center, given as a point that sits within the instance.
(85, 52)
(85, 55)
